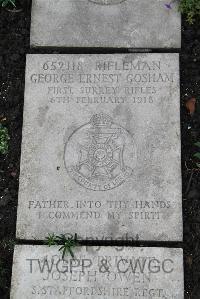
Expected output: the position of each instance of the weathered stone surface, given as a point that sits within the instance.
(105, 272)
(105, 23)
(101, 147)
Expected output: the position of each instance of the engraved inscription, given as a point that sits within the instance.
(107, 2)
(98, 272)
(95, 154)
(103, 81)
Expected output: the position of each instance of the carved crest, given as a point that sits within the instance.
(98, 150)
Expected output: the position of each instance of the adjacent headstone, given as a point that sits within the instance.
(105, 23)
(105, 272)
(101, 147)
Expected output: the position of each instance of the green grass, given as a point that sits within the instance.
(67, 243)
(191, 9)
(4, 138)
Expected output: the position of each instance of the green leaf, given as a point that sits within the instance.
(197, 155)
(50, 240)
(4, 3)
(4, 138)
(12, 2)
(71, 252)
(197, 144)
(64, 252)
(61, 248)
(198, 165)
(61, 237)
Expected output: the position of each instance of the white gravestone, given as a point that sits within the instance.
(101, 147)
(97, 273)
(105, 23)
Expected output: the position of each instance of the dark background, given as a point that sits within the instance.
(14, 45)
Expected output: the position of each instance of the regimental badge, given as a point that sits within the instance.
(107, 2)
(98, 156)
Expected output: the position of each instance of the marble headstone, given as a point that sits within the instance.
(97, 273)
(101, 147)
(105, 23)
